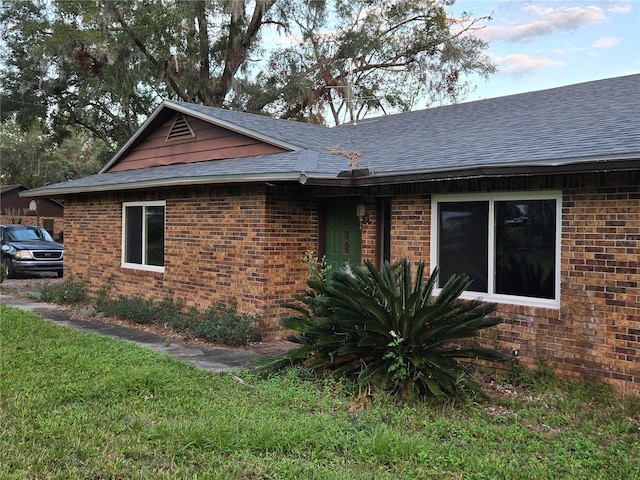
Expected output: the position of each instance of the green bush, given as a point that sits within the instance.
(3, 272)
(71, 291)
(139, 310)
(386, 329)
(221, 323)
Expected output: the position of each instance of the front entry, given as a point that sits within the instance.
(344, 244)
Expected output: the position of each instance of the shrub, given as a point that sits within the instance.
(135, 309)
(3, 272)
(70, 291)
(384, 328)
(221, 323)
(139, 310)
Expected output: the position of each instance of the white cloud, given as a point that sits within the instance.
(605, 42)
(545, 21)
(621, 8)
(517, 64)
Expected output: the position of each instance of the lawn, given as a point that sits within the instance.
(79, 406)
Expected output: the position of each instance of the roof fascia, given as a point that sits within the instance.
(489, 171)
(182, 182)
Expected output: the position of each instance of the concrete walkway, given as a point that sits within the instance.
(215, 359)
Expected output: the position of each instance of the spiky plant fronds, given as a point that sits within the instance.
(387, 328)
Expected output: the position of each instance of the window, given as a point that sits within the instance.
(143, 235)
(508, 244)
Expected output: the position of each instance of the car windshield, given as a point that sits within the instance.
(28, 233)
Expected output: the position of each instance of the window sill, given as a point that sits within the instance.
(510, 300)
(143, 269)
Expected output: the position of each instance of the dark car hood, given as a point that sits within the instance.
(35, 245)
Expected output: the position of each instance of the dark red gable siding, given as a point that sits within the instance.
(210, 143)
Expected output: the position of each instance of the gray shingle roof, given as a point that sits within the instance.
(587, 124)
(594, 120)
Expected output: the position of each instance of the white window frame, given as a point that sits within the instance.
(491, 296)
(140, 266)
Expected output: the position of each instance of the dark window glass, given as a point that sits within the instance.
(525, 248)
(133, 235)
(463, 242)
(144, 235)
(155, 235)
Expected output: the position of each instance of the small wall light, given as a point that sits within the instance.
(361, 213)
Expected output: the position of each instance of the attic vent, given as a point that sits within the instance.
(180, 130)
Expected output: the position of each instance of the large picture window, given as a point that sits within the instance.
(508, 244)
(143, 235)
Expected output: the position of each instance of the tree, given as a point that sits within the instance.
(33, 158)
(371, 56)
(104, 65)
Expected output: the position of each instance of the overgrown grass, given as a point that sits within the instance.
(74, 405)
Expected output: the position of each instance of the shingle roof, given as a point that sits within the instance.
(594, 120)
(590, 124)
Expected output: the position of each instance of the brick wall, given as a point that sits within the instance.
(222, 244)
(410, 226)
(246, 243)
(595, 335)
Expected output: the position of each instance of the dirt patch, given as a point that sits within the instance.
(28, 287)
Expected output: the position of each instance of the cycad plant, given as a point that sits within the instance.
(386, 329)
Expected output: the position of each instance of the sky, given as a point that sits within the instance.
(546, 44)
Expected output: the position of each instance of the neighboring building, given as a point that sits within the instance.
(42, 212)
(536, 196)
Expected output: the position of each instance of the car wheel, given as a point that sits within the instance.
(8, 264)
(60, 274)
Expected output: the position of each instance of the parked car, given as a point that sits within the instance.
(27, 249)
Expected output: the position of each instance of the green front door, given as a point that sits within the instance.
(344, 244)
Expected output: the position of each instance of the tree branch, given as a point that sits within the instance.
(143, 48)
(203, 39)
(238, 45)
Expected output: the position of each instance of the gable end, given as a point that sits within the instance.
(182, 138)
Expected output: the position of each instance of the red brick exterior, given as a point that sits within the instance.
(221, 244)
(595, 335)
(247, 242)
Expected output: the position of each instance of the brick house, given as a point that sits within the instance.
(536, 196)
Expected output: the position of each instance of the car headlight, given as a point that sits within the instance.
(24, 255)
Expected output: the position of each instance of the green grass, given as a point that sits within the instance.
(77, 406)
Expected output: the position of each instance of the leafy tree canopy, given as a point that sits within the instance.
(34, 158)
(104, 65)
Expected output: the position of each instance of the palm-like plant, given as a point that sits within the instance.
(387, 329)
